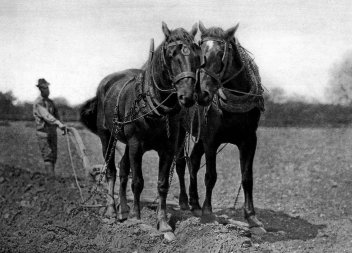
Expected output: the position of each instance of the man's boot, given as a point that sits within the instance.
(49, 167)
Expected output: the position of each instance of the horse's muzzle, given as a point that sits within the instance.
(186, 101)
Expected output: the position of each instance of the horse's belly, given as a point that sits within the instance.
(155, 139)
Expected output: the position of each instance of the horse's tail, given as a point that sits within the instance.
(89, 113)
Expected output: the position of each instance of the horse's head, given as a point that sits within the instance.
(216, 48)
(181, 57)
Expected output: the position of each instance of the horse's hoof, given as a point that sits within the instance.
(123, 212)
(207, 210)
(169, 236)
(109, 221)
(135, 215)
(163, 226)
(257, 230)
(183, 202)
(254, 222)
(195, 208)
(184, 206)
(110, 211)
(197, 212)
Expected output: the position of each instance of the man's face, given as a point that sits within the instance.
(44, 92)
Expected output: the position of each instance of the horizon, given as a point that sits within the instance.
(74, 45)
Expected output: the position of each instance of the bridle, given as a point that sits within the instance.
(225, 61)
(174, 79)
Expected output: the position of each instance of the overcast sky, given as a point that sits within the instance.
(74, 44)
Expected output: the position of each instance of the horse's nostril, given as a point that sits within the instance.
(188, 102)
(206, 94)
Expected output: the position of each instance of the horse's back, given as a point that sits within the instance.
(116, 79)
(108, 91)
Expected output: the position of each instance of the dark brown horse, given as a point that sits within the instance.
(232, 117)
(141, 109)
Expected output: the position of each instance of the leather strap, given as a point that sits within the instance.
(183, 75)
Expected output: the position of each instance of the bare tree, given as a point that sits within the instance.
(339, 89)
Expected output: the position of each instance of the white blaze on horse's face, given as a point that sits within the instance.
(212, 54)
(209, 44)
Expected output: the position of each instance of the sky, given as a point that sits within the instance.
(75, 44)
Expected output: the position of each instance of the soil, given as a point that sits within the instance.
(302, 193)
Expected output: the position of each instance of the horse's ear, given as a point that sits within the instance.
(165, 29)
(202, 27)
(194, 30)
(229, 33)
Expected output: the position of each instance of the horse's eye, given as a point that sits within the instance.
(171, 52)
(219, 54)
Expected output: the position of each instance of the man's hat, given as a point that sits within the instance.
(42, 83)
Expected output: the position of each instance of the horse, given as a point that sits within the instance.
(232, 117)
(140, 108)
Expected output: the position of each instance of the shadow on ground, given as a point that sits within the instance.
(279, 225)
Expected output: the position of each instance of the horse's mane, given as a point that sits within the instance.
(176, 34)
(217, 32)
(214, 32)
(179, 34)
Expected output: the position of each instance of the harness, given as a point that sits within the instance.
(225, 61)
(225, 99)
(147, 102)
(186, 74)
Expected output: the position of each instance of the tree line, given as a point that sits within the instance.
(12, 109)
(280, 111)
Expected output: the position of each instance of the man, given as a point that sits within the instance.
(47, 120)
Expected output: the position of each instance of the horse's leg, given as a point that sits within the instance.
(247, 152)
(135, 158)
(165, 163)
(210, 176)
(123, 209)
(180, 169)
(196, 156)
(109, 156)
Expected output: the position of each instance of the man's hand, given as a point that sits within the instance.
(63, 127)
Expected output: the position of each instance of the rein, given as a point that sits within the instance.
(186, 74)
(115, 121)
(242, 92)
(218, 77)
(225, 60)
(150, 71)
